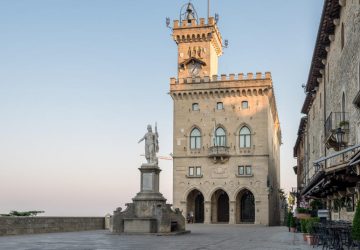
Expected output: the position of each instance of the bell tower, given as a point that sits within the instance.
(199, 44)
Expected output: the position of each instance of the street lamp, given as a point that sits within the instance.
(339, 133)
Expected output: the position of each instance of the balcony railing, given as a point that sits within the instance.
(221, 153)
(336, 121)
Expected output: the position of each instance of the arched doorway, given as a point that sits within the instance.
(195, 205)
(220, 207)
(245, 207)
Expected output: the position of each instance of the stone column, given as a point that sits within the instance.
(207, 212)
(232, 212)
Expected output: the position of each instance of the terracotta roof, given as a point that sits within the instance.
(330, 12)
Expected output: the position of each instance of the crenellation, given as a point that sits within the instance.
(211, 21)
(267, 75)
(176, 24)
(222, 77)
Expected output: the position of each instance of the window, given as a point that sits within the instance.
(194, 172)
(195, 139)
(220, 137)
(245, 170)
(342, 35)
(195, 107)
(244, 105)
(245, 137)
(198, 171)
(248, 170)
(191, 171)
(219, 106)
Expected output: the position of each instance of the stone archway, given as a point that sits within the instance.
(195, 204)
(220, 207)
(245, 207)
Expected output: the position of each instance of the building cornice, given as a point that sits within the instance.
(331, 11)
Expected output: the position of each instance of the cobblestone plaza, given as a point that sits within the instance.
(218, 236)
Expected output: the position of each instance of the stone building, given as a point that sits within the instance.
(226, 134)
(328, 143)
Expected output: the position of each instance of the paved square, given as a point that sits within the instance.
(202, 237)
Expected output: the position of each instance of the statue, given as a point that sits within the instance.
(151, 144)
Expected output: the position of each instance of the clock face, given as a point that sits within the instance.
(194, 68)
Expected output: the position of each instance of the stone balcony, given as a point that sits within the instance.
(219, 153)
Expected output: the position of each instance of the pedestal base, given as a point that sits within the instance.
(148, 213)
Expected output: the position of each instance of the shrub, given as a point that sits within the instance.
(356, 224)
(291, 220)
(303, 223)
(310, 224)
(302, 210)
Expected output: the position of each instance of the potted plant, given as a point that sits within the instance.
(292, 223)
(310, 230)
(355, 233)
(302, 213)
(303, 223)
(344, 124)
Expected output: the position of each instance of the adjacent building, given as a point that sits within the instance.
(226, 164)
(328, 144)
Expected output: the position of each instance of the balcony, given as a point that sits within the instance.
(337, 124)
(219, 153)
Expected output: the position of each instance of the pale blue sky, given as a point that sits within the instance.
(81, 79)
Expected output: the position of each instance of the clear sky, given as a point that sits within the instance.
(80, 80)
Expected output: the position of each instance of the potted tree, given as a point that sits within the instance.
(303, 223)
(310, 230)
(292, 223)
(355, 233)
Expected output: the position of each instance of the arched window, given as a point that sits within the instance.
(195, 139)
(244, 105)
(220, 137)
(342, 35)
(245, 137)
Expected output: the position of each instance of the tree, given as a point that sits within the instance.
(356, 224)
(25, 213)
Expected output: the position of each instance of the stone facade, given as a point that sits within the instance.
(332, 110)
(226, 135)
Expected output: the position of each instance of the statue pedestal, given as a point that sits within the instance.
(148, 213)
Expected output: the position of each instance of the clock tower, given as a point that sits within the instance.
(199, 45)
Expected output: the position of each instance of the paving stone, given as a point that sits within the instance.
(202, 237)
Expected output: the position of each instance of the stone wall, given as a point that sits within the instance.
(33, 225)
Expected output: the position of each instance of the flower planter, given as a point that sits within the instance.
(311, 240)
(303, 216)
(305, 236)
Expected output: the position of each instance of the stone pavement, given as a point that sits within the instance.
(202, 237)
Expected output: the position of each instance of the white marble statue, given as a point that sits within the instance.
(151, 144)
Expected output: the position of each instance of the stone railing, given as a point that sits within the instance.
(34, 225)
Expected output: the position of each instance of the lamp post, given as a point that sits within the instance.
(339, 133)
(340, 139)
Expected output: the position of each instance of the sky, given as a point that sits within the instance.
(81, 79)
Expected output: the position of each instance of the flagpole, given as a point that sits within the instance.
(208, 9)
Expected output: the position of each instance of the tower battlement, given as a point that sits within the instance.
(221, 78)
